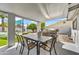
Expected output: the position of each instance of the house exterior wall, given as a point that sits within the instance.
(75, 32)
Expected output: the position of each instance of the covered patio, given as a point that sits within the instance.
(40, 12)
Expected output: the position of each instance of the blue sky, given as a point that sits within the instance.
(4, 20)
(48, 22)
(53, 21)
(20, 20)
(25, 21)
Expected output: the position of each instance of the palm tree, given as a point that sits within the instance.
(2, 17)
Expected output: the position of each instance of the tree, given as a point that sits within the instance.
(2, 17)
(5, 24)
(32, 26)
(42, 25)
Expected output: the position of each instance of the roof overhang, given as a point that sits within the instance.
(34, 11)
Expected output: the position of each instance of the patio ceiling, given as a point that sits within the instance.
(37, 12)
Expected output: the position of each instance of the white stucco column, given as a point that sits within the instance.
(77, 40)
(11, 29)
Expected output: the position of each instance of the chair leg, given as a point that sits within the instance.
(28, 52)
(50, 52)
(55, 51)
(17, 46)
(20, 50)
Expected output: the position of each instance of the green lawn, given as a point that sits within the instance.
(3, 41)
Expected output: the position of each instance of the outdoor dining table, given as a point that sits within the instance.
(34, 37)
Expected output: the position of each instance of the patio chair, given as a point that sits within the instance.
(18, 40)
(29, 44)
(50, 44)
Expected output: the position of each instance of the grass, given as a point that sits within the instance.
(3, 41)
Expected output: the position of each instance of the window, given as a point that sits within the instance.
(75, 24)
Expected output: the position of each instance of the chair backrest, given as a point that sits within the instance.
(51, 42)
(25, 41)
(20, 39)
(54, 39)
(49, 32)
